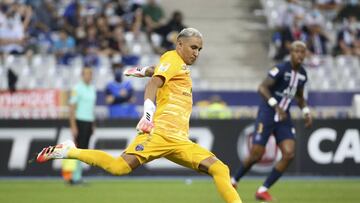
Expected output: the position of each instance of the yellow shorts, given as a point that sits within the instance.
(186, 153)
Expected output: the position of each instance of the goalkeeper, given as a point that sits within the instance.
(164, 127)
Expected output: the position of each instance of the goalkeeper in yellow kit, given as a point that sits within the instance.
(164, 127)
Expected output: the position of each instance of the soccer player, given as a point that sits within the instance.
(284, 82)
(164, 127)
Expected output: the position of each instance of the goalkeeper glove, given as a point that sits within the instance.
(146, 124)
(138, 72)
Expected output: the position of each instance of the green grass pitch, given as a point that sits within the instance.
(173, 191)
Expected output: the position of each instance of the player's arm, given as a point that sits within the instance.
(74, 98)
(303, 106)
(146, 122)
(140, 72)
(72, 120)
(264, 91)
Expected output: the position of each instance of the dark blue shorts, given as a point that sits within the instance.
(266, 126)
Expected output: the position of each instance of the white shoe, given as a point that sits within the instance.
(55, 152)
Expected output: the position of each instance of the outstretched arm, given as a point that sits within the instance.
(145, 124)
(303, 106)
(140, 72)
(264, 90)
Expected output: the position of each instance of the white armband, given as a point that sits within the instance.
(305, 110)
(149, 109)
(272, 102)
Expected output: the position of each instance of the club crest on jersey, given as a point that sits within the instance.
(274, 71)
(164, 66)
(139, 147)
(185, 68)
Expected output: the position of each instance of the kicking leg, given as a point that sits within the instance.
(67, 150)
(116, 166)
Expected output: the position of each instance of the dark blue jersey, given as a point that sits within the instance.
(287, 83)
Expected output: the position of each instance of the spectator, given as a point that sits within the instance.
(103, 27)
(14, 21)
(153, 15)
(12, 80)
(64, 47)
(119, 46)
(289, 21)
(317, 39)
(90, 47)
(348, 38)
(117, 41)
(72, 17)
(169, 31)
(352, 8)
(288, 12)
(44, 22)
(46, 16)
(328, 8)
(119, 96)
(287, 36)
(217, 109)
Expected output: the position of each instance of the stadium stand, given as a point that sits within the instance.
(242, 39)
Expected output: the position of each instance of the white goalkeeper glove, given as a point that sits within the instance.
(146, 124)
(138, 72)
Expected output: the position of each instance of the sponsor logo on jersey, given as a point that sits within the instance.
(164, 67)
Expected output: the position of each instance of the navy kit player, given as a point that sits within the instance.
(284, 83)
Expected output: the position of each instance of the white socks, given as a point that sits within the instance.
(262, 189)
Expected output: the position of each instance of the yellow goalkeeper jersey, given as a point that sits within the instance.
(174, 98)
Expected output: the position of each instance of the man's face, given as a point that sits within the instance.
(189, 49)
(87, 75)
(298, 54)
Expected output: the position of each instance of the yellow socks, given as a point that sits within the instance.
(221, 175)
(115, 166)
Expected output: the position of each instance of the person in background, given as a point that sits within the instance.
(82, 122)
(64, 47)
(169, 31)
(348, 38)
(119, 95)
(317, 39)
(216, 109)
(12, 79)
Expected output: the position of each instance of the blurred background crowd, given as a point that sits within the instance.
(53, 34)
(44, 44)
(331, 31)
